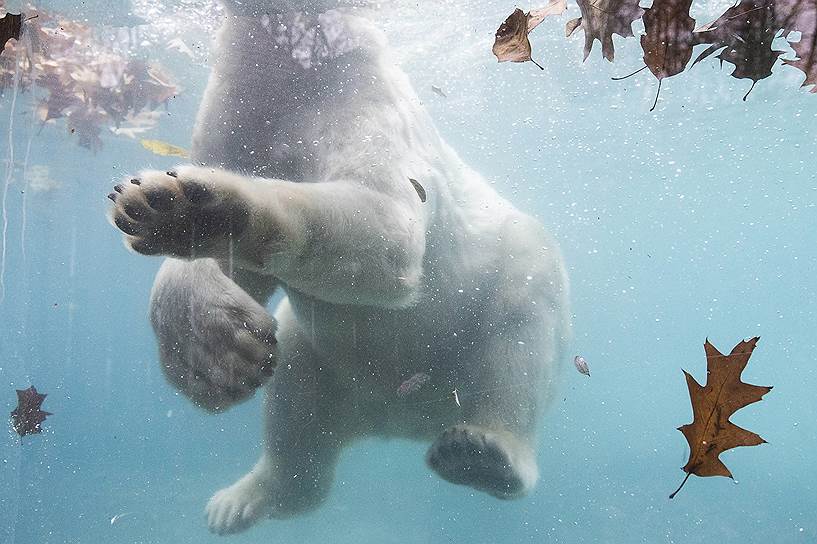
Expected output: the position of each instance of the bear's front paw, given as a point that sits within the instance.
(182, 213)
(216, 343)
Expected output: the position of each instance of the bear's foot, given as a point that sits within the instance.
(495, 462)
(191, 212)
(238, 507)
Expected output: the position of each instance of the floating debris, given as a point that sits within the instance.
(421, 192)
(10, 26)
(119, 517)
(163, 148)
(581, 365)
(438, 90)
(456, 397)
(38, 179)
(412, 385)
(27, 417)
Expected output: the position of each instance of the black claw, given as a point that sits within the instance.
(172, 173)
(112, 196)
(118, 188)
(136, 181)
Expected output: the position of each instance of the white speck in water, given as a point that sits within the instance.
(119, 517)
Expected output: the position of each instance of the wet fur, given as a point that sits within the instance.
(305, 187)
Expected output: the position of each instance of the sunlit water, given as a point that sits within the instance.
(696, 220)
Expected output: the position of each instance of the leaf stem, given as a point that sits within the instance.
(672, 495)
(628, 75)
(537, 64)
(653, 107)
(750, 90)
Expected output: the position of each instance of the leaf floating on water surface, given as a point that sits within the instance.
(27, 417)
(801, 15)
(571, 26)
(744, 33)
(601, 19)
(82, 79)
(711, 433)
(511, 42)
(668, 38)
(163, 148)
(581, 365)
(421, 192)
(10, 26)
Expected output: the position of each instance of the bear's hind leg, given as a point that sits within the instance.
(491, 460)
(307, 425)
(502, 386)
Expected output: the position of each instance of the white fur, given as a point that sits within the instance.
(305, 185)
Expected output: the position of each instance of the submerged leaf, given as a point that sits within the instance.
(421, 192)
(163, 148)
(27, 417)
(711, 433)
(581, 365)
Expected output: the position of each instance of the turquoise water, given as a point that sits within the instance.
(694, 221)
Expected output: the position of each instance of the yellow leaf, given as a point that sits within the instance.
(163, 148)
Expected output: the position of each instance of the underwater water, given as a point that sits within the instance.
(696, 220)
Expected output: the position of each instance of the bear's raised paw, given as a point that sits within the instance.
(187, 212)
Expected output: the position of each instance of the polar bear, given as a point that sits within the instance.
(305, 143)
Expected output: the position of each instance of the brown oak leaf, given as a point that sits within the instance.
(801, 16)
(744, 33)
(668, 38)
(711, 433)
(601, 19)
(511, 42)
(10, 26)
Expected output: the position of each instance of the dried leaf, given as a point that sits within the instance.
(668, 38)
(10, 26)
(744, 33)
(581, 365)
(163, 148)
(571, 27)
(711, 433)
(601, 19)
(27, 417)
(421, 192)
(801, 16)
(511, 43)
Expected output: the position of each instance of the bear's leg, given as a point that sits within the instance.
(216, 341)
(307, 424)
(502, 388)
(338, 241)
(488, 459)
